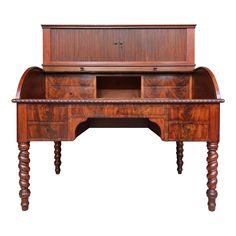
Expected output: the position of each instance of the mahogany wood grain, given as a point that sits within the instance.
(212, 174)
(115, 67)
(179, 153)
(118, 76)
(32, 84)
(189, 113)
(24, 174)
(57, 156)
(22, 129)
(188, 131)
(47, 131)
(106, 46)
(204, 78)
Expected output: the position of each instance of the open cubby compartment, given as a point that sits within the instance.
(118, 86)
(38, 84)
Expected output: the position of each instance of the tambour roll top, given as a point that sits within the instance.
(150, 48)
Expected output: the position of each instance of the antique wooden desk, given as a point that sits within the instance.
(118, 76)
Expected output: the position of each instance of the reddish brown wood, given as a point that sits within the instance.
(57, 156)
(188, 131)
(32, 84)
(118, 101)
(46, 113)
(117, 46)
(118, 76)
(179, 152)
(170, 26)
(70, 86)
(22, 135)
(121, 87)
(189, 113)
(212, 174)
(47, 130)
(114, 68)
(24, 174)
(204, 78)
(214, 123)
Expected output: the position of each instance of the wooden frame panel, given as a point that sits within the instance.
(122, 44)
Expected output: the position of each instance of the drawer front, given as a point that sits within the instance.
(166, 80)
(71, 86)
(166, 92)
(166, 86)
(47, 131)
(119, 111)
(71, 80)
(188, 131)
(46, 112)
(189, 113)
(70, 92)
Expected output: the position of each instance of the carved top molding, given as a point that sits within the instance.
(104, 101)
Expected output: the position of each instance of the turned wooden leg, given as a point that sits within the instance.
(24, 174)
(212, 165)
(179, 152)
(57, 156)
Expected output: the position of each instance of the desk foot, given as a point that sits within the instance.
(179, 152)
(212, 174)
(57, 156)
(24, 169)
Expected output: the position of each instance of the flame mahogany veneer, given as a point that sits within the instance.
(118, 76)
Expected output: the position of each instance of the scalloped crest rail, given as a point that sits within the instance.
(118, 76)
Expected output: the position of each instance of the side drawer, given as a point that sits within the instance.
(166, 92)
(166, 86)
(71, 80)
(166, 80)
(70, 92)
(47, 131)
(189, 113)
(46, 112)
(71, 86)
(188, 131)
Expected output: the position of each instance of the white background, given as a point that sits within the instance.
(117, 181)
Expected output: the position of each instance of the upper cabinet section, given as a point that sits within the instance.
(141, 47)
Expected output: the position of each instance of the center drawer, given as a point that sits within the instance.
(93, 111)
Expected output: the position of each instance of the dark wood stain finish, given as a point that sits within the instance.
(180, 155)
(57, 157)
(118, 76)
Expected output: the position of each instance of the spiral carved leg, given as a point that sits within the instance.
(179, 152)
(57, 156)
(24, 174)
(212, 174)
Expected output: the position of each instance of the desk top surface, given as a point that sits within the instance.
(166, 26)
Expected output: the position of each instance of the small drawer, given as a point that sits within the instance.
(70, 92)
(188, 131)
(166, 92)
(46, 112)
(47, 131)
(165, 80)
(71, 80)
(189, 113)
